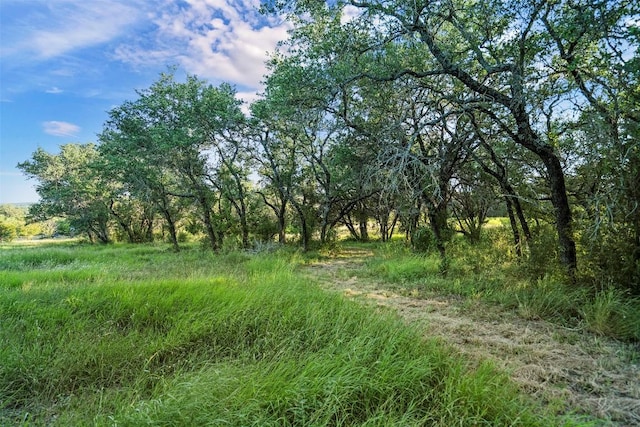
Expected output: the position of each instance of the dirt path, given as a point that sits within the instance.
(556, 365)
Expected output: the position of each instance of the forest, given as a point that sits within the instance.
(413, 119)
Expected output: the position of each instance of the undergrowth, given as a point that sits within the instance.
(136, 335)
(533, 285)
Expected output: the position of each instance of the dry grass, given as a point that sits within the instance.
(572, 370)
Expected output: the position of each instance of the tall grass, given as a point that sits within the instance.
(140, 336)
(611, 312)
(489, 271)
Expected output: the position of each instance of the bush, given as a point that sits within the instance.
(610, 258)
(265, 230)
(614, 314)
(63, 227)
(549, 299)
(423, 239)
(8, 230)
(543, 253)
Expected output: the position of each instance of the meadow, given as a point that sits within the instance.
(125, 335)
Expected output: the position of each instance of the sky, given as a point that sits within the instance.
(65, 63)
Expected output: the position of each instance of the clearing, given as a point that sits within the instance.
(591, 375)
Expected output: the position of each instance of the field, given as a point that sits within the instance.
(137, 335)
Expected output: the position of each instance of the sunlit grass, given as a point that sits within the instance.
(138, 335)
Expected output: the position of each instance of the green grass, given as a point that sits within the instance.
(488, 271)
(136, 335)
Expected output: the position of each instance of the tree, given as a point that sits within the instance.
(293, 143)
(129, 148)
(472, 197)
(277, 157)
(173, 145)
(485, 155)
(231, 179)
(420, 140)
(598, 64)
(12, 222)
(135, 218)
(70, 187)
(490, 49)
(9, 223)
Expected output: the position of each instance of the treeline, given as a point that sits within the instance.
(14, 224)
(418, 117)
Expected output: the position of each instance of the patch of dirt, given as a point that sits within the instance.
(572, 370)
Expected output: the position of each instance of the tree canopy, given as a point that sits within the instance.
(415, 116)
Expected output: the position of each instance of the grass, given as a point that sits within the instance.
(136, 335)
(489, 272)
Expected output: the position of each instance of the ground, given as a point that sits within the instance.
(569, 369)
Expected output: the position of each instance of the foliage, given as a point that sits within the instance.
(8, 230)
(498, 72)
(71, 188)
(409, 114)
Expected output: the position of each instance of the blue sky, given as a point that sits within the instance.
(65, 63)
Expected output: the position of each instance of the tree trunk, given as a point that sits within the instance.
(208, 224)
(352, 230)
(282, 237)
(559, 199)
(173, 235)
(514, 226)
(511, 198)
(243, 225)
(126, 227)
(103, 235)
(282, 224)
(393, 226)
(560, 202)
(362, 220)
(304, 229)
(148, 234)
(324, 229)
(383, 224)
(438, 221)
(280, 212)
(520, 213)
(305, 233)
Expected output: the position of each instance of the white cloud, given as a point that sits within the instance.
(56, 28)
(219, 40)
(224, 40)
(349, 13)
(57, 128)
(54, 90)
(248, 96)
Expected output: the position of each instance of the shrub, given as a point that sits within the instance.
(613, 313)
(549, 299)
(423, 239)
(543, 253)
(8, 230)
